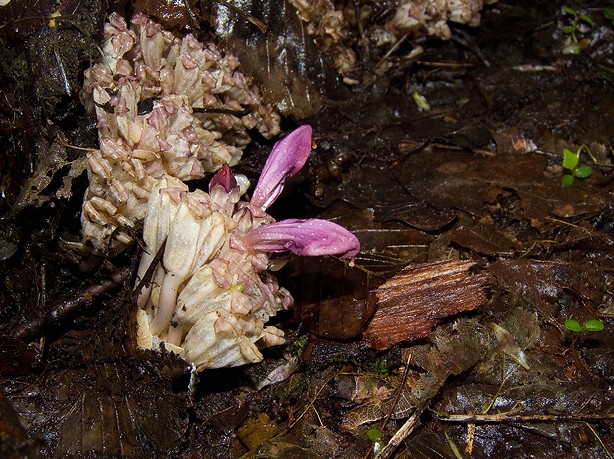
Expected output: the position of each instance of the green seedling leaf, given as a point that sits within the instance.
(568, 29)
(594, 325)
(567, 180)
(570, 159)
(573, 325)
(569, 10)
(583, 172)
(375, 434)
(586, 19)
(609, 13)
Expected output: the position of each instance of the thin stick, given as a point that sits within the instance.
(504, 417)
(599, 440)
(311, 402)
(61, 309)
(150, 270)
(398, 393)
(401, 434)
(397, 396)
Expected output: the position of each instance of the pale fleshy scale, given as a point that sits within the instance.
(146, 91)
(216, 294)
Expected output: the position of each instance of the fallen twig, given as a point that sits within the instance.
(505, 417)
(63, 308)
(405, 430)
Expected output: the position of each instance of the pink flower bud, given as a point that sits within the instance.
(224, 178)
(286, 159)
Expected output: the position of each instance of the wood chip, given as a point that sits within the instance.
(413, 301)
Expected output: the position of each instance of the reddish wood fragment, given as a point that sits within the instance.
(413, 301)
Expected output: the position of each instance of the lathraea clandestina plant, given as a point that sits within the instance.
(165, 106)
(211, 295)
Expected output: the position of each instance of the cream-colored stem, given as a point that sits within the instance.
(166, 304)
(174, 335)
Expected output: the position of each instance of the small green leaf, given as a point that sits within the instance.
(586, 19)
(573, 325)
(375, 434)
(570, 159)
(568, 29)
(609, 13)
(568, 10)
(421, 101)
(594, 325)
(567, 180)
(583, 172)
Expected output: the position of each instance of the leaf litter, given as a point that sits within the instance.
(475, 182)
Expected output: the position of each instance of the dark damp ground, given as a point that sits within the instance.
(477, 177)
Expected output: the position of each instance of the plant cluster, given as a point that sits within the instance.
(171, 110)
(164, 106)
(211, 293)
(577, 23)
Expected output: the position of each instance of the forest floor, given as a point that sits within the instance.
(451, 335)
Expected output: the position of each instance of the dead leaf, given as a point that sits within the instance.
(484, 239)
(257, 431)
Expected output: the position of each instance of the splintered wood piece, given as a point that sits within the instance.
(413, 301)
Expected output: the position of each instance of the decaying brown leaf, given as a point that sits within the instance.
(539, 281)
(452, 350)
(412, 302)
(256, 431)
(334, 301)
(379, 407)
(13, 436)
(484, 239)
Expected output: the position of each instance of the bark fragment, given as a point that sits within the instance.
(412, 302)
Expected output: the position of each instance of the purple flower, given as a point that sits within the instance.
(310, 237)
(286, 159)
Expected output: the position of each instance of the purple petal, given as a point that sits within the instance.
(286, 159)
(310, 237)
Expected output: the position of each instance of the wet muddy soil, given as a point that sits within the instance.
(452, 336)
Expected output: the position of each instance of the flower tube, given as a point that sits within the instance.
(311, 237)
